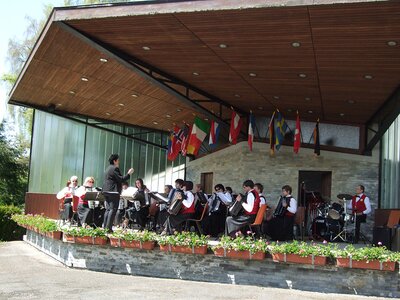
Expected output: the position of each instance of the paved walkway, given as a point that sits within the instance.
(26, 273)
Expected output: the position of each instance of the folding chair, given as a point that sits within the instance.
(259, 219)
(198, 221)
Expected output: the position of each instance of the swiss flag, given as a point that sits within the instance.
(236, 124)
(297, 135)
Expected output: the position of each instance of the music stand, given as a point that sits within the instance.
(158, 197)
(94, 196)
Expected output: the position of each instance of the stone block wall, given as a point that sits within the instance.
(209, 268)
(234, 164)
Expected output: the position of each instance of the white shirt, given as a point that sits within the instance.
(226, 198)
(366, 202)
(67, 189)
(189, 199)
(292, 205)
(250, 202)
(262, 199)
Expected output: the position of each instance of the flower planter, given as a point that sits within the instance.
(297, 259)
(245, 254)
(90, 240)
(116, 242)
(56, 235)
(183, 249)
(347, 262)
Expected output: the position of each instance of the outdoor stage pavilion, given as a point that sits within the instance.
(115, 78)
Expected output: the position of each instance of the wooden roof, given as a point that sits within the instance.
(349, 68)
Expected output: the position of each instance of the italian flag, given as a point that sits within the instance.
(199, 132)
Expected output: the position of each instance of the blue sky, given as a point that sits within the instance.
(13, 25)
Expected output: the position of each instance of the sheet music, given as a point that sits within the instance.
(159, 197)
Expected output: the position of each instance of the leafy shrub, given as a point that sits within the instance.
(39, 222)
(367, 253)
(185, 239)
(129, 235)
(89, 231)
(301, 248)
(9, 229)
(241, 243)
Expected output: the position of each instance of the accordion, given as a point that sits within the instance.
(280, 210)
(201, 197)
(176, 204)
(236, 208)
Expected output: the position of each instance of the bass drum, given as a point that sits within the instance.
(325, 229)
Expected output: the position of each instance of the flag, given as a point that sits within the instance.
(199, 132)
(174, 144)
(271, 128)
(214, 133)
(184, 137)
(280, 130)
(236, 124)
(297, 135)
(317, 147)
(250, 137)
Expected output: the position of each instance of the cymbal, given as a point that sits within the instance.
(340, 201)
(345, 196)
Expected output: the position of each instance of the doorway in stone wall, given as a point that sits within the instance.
(318, 182)
(206, 181)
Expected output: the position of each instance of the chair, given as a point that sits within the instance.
(198, 221)
(259, 219)
(299, 219)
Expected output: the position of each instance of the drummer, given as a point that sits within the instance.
(361, 207)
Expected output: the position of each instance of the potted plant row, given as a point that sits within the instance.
(375, 258)
(300, 252)
(133, 239)
(85, 235)
(39, 224)
(184, 242)
(241, 248)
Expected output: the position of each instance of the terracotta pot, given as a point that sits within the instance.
(297, 259)
(115, 242)
(56, 235)
(345, 262)
(182, 249)
(69, 238)
(90, 240)
(239, 254)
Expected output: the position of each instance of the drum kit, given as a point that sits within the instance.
(334, 221)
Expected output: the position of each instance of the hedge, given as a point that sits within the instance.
(9, 230)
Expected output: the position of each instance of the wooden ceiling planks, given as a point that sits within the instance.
(339, 45)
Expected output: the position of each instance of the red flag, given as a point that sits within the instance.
(186, 130)
(272, 138)
(297, 135)
(236, 124)
(174, 144)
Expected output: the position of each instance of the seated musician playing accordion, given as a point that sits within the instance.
(84, 211)
(68, 198)
(181, 209)
(280, 227)
(250, 203)
(138, 210)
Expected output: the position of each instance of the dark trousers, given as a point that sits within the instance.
(66, 214)
(85, 214)
(162, 217)
(174, 222)
(111, 211)
(214, 223)
(140, 217)
(358, 220)
(234, 224)
(280, 228)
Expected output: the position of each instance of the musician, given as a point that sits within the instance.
(200, 200)
(214, 222)
(250, 203)
(112, 187)
(139, 213)
(174, 222)
(170, 192)
(84, 212)
(259, 188)
(361, 207)
(280, 227)
(121, 206)
(67, 195)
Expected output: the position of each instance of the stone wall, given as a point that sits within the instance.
(209, 268)
(234, 164)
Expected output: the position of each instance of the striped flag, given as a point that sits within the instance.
(184, 138)
(280, 130)
(236, 124)
(198, 133)
(317, 146)
(250, 137)
(174, 144)
(271, 129)
(214, 134)
(297, 135)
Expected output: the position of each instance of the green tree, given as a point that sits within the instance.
(13, 172)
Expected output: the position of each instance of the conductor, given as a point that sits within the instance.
(112, 187)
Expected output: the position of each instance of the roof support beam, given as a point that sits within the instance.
(86, 121)
(385, 116)
(152, 74)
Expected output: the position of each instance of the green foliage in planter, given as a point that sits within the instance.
(129, 235)
(186, 239)
(367, 253)
(301, 248)
(242, 243)
(40, 222)
(9, 229)
(88, 231)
